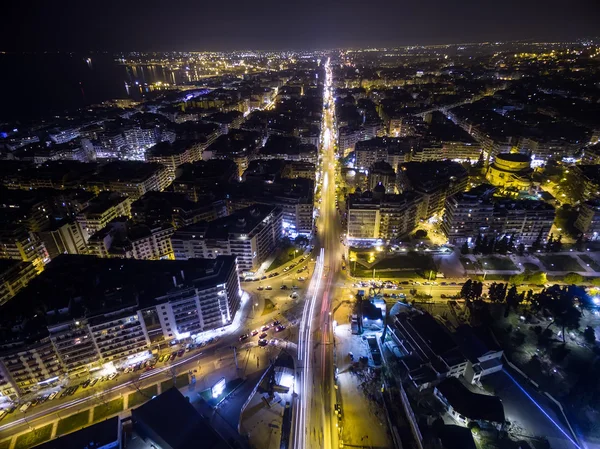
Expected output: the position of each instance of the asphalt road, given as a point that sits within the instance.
(319, 392)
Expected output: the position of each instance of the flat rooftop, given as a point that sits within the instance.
(74, 286)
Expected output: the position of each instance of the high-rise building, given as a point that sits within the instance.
(469, 214)
(378, 215)
(17, 243)
(104, 313)
(434, 180)
(250, 234)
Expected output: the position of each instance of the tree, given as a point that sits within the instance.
(464, 249)
(512, 300)
(589, 334)
(420, 234)
(573, 279)
(521, 249)
(538, 241)
(538, 278)
(478, 244)
(477, 290)
(560, 302)
(497, 292)
(550, 243)
(465, 290)
(517, 279)
(558, 244)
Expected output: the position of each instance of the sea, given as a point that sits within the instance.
(39, 85)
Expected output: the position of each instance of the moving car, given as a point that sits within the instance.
(243, 337)
(279, 328)
(262, 336)
(254, 332)
(268, 287)
(262, 342)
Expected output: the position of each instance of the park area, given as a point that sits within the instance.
(140, 396)
(107, 409)
(178, 382)
(559, 262)
(34, 437)
(285, 255)
(73, 422)
(406, 266)
(493, 263)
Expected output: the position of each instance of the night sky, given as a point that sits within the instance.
(269, 24)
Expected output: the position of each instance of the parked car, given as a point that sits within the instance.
(25, 407)
(262, 336)
(268, 287)
(53, 395)
(262, 342)
(264, 328)
(112, 376)
(243, 337)
(86, 383)
(279, 328)
(284, 287)
(92, 383)
(254, 332)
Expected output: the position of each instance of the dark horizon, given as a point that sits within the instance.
(185, 25)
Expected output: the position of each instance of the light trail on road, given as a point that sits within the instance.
(304, 351)
(314, 426)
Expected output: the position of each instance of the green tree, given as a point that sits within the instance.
(464, 249)
(538, 278)
(521, 249)
(517, 279)
(573, 279)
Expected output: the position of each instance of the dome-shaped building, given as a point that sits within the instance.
(511, 171)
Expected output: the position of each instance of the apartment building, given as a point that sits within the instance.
(101, 313)
(382, 216)
(172, 155)
(469, 214)
(435, 180)
(528, 220)
(17, 243)
(14, 276)
(102, 210)
(250, 234)
(588, 220)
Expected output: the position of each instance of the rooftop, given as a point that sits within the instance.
(243, 222)
(164, 149)
(471, 405)
(181, 428)
(74, 286)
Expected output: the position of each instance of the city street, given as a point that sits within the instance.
(315, 424)
(208, 363)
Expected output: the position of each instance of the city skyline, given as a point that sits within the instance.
(184, 25)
